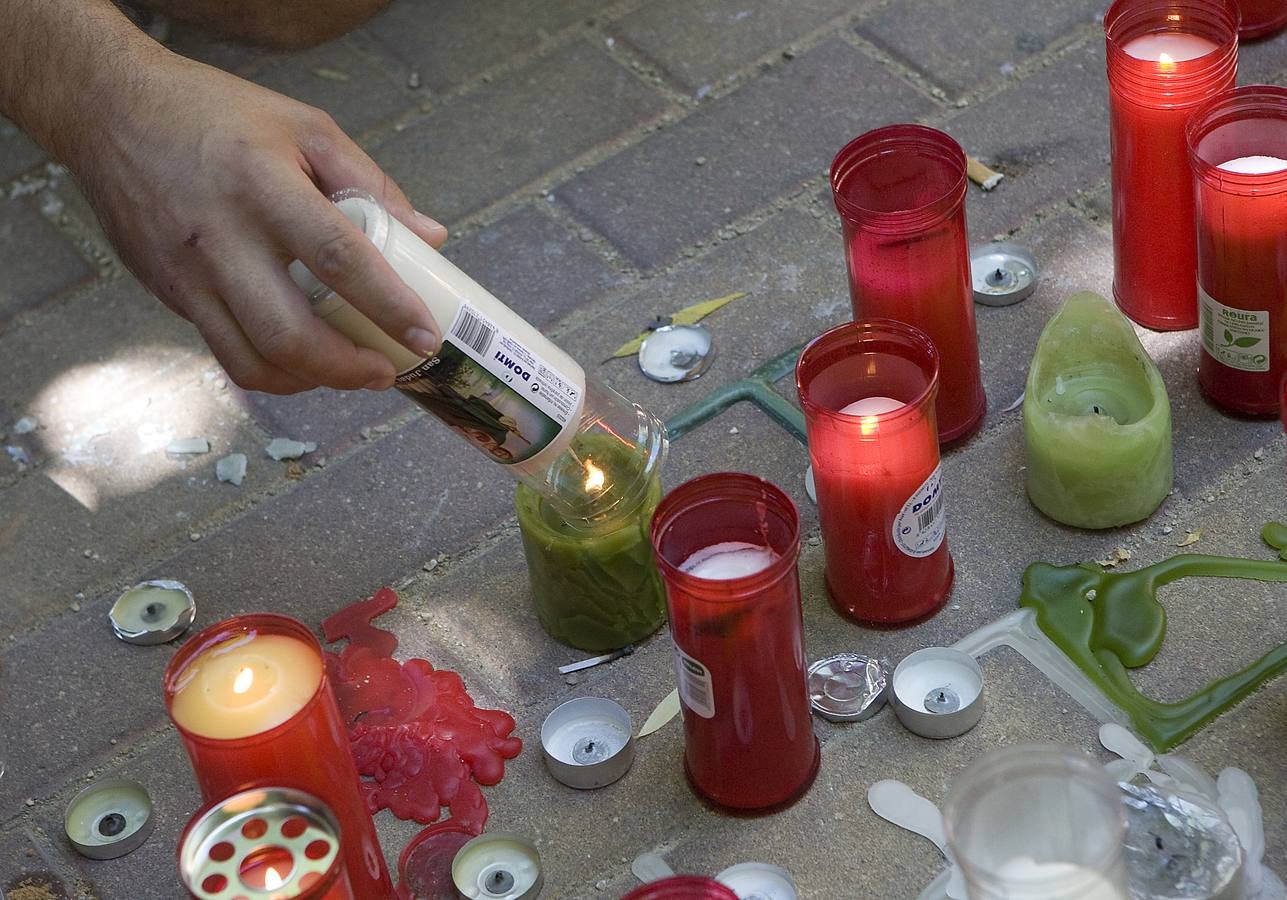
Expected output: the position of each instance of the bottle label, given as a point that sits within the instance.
(921, 525)
(694, 682)
(1237, 338)
(493, 390)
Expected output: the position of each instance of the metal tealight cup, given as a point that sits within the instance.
(588, 742)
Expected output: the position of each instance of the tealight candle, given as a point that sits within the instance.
(1164, 58)
(252, 705)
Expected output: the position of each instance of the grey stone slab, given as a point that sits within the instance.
(476, 148)
(756, 144)
(18, 153)
(357, 93)
(450, 42)
(535, 265)
(960, 46)
(704, 43)
(1048, 134)
(38, 262)
(28, 865)
(1262, 62)
(333, 419)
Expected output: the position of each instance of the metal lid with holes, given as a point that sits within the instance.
(153, 612)
(263, 840)
(1003, 273)
(110, 818)
(588, 742)
(938, 692)
(759, 881)
(848, 687)
(676, 353)
(498, 866)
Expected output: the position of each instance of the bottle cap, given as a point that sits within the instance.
(588, 742)
(110, 818)
(761, 881)
(676, 353)
(498, 866)
(1003, 273)
(848, 687)
(153, 612)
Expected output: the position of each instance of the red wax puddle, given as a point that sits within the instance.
(415, 731)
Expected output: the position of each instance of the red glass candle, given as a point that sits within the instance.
(726, 547)
(1238, 148)
(1261, 18)
(900, 192)
(682, 887)
(251, 702)
(868, 390)
(1164, 58)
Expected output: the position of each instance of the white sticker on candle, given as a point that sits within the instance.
(921, 525)
(694, 682)
(1237, 338)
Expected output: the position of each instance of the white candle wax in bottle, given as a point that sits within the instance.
(1254, 165)
(728, 560)
(872, 406)
(496, 381)
(1169, 47)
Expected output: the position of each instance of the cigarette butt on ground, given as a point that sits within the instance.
(981, 175)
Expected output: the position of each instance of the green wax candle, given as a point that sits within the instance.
(1096, 420)
(594, 582)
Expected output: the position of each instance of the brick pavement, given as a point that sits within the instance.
(599, 163)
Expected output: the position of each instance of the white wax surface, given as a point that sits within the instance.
(731, 559)
(1027, 879)
(1178, 47)
(1254, 165)
(872, 406)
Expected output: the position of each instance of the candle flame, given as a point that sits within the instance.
(594, 477)
(1164, 60)
(245, 678)
(272, 881)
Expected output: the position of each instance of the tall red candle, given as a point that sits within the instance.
(900, 192)
(876, 469)
(1238, 147)
(1164, 58)
(738, 641)
(308, 751)
(1261, 18)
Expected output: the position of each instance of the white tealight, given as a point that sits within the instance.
(731, 559)
(872, 406)
(1254, 165)
(1027, 879)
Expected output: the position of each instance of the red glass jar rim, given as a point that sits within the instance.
(927, 143)
(725, 487)
(1188, 81)
(1253, 101)
(682, 887)
(891, 334)
(269, 623)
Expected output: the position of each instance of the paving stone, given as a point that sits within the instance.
(28, 865)
(447, 43)
(1261, 62)
(756, 145)
(701, 44)
(332, 419)
(474, 149)
(961, 46)
(1044, 157)
(37, 261)
(18, 153)
(357, 93)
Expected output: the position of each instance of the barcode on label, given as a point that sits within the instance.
(694, 681)
(473, 331)
(927, 516)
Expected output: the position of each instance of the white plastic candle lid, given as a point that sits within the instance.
(759, 881)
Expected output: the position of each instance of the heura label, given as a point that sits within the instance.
(921, 525)
(1237, 338)
(694, 681)
(493, 390)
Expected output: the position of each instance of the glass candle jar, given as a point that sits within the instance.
(726, 547)
(594, 582)
(1164, 58)
(496, 381)
(1038, 822)
(1261, 18)
(1238, 148)
(900, 192)
(868, 389)
(251, 702)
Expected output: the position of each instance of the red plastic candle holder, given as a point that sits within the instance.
(309, 752)
(900, 192)
(1242, 248)
(878, 480)
(682, 887)
(739, 644)
(1150, 99)
(1261, 18)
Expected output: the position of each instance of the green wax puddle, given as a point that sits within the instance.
(1122, 626)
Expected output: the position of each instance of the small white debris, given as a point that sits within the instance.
(956, 606)
(88, 554)
(701, 92)
(611, 42)
(733, 430)
(285, 448)
(75, 606)
(25, 425)
(413, 79)
(1016, 404)
(364, 433)
(194, 536)
(232, 468)
(186, 446)
(1259, 454)
(1167, 529)
(1008, 69)
(30, 801)
(431, 565)
(701, 161)
(18, 455)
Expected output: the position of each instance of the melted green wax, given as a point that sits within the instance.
(1121, 625)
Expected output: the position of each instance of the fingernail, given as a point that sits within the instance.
(422, 341)
(380, 384)
(432, 224)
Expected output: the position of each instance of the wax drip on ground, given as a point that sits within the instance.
(415, 731)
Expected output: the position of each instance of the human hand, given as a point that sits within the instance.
(209, 186)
